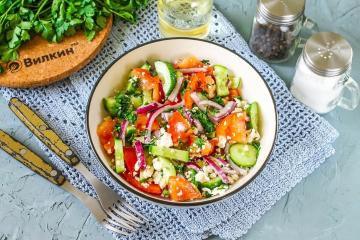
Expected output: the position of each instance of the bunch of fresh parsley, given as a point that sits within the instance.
(55, 19)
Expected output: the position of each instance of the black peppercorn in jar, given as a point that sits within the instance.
(276, 28)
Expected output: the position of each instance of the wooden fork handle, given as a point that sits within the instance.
(30, 159)
(43, 132)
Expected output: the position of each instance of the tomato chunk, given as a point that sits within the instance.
(130, 158)
(189, 62)
(105, 132)
(179, 128)
(141, 121)
(182, 190)
(148, 187)
(233, 127)
(147, 81)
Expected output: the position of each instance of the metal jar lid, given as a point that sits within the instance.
(281, 11)
(328, 54)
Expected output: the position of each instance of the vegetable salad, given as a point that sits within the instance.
(181, 130)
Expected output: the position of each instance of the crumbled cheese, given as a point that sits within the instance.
(219, 190)
(157, 164)
(222, 142)
(180, 127)
(207, 169)
(145, 185)
(180, 193)
(137, 166)
(147, 172)
(165, 139)
(238, 102)
(201, 177)
(252, 135)
(187, 174)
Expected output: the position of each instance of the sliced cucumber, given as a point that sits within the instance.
(243, 155)
(167, 76)
(221, 78)
(119, 157)
(235, 82)
(132, 85)
(110, 105)
(136, 101)
(169, 153)
(146, 66)
(166, 168)
(213, 183)
(147, 97)
(253, 112)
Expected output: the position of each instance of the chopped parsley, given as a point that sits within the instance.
(204, 119)
(205, 61)
(199, 142)
(219, 100)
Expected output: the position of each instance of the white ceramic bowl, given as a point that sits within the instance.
(254, 89)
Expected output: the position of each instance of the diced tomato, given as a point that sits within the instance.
(182, 190)
(188, 100)
(149, 188)
(179, 128)
(156, 93)
(105, 132)
(210, 70)
(148, 82)
(130, 158)
(233, 127)
(189, 62)
(141, 121)
(234, 92)
(207, 149)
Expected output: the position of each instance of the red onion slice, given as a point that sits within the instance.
(198, 125)
(219, 160)
(229, 107)
(123, 127)
(140, 155)
(217, 169)
(193, 165)
(152, 118)
(211, 104)
(192, 70)
(188, 117)
(148, 108)
(194, 96)
(173, 95)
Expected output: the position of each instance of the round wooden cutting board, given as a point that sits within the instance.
(42, 63)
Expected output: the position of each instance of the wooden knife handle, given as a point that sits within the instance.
(30, 159)
(41, 130)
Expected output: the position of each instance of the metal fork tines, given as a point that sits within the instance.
(111, 202)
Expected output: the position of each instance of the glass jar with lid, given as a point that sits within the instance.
(276, 29)
(323, 74)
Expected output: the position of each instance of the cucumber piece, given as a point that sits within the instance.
(243, 155)
(169, 153)
(221, 78)
(147, 97)
(119, 156)
(111, 105)
(253, 112)
(235, 82)
(146, 66)
(166, 168)
(213, 183)
(132, 85)
(136, 101)
(130, 130)
(167, 75)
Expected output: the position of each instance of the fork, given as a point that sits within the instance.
(53, 175)
(110, 201)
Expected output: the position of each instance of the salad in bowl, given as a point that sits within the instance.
(181, 130)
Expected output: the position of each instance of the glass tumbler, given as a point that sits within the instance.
(184, 18)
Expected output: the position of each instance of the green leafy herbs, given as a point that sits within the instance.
(124, 107)
(199, 142)
(257, 147)
(56, 19)
(204, 119)
(219, 100)
(1, 69)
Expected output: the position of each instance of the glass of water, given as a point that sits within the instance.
(184, 18)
